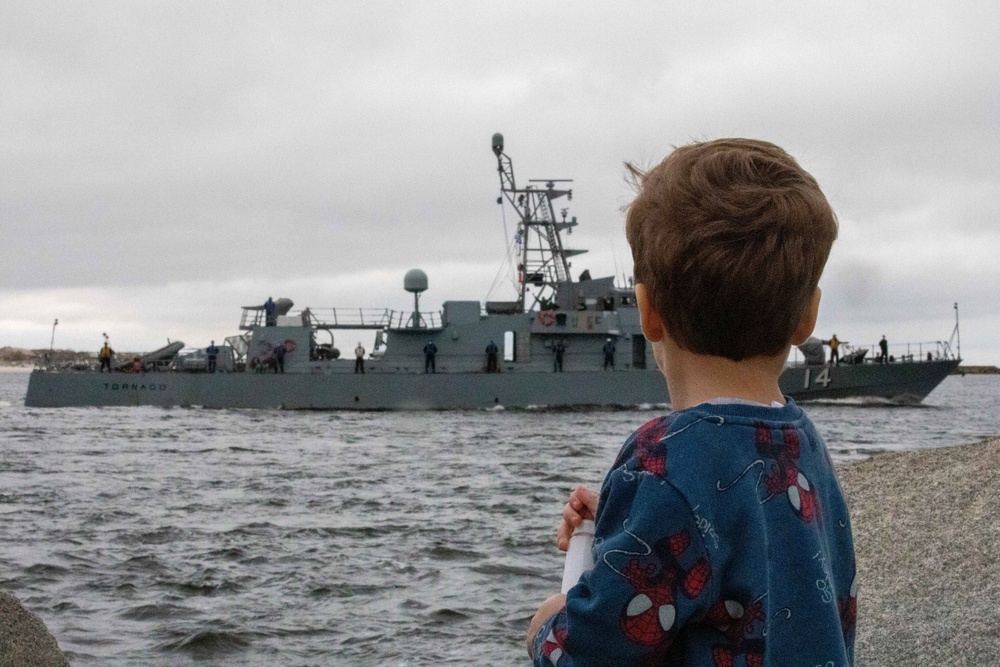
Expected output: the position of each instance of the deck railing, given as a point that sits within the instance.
(348, 318)
(370, 318)
(935, 350)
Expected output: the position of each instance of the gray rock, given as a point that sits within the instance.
(927, 541)
(24, 639)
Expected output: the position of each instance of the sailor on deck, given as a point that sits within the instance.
(491, 357)
(834, 344)
(213, 354)
(609, 354)
(558, 350)
(884, 346)
(430, 350)
(279, 357)
(359, 359)
(105, 357)
(270, 319)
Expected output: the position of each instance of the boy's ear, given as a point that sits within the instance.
(808, 320)
(652, 325)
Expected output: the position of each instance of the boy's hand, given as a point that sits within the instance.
(582, 505)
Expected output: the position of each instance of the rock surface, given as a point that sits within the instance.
(927, 538)
(24, 639)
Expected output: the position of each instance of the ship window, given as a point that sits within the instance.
(508, 346)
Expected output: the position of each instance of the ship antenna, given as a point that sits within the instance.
(543, 261)
(957, 334)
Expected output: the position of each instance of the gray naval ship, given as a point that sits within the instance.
(563, 343)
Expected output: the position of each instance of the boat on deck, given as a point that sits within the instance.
(585, 318)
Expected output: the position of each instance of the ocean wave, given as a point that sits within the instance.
(209, 643)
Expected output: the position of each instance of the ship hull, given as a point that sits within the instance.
(902, 382)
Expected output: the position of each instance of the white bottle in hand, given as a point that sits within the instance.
(579, 555)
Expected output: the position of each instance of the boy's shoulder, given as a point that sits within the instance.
(707, 437)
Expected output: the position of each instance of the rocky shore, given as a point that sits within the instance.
(24, 640)
(927, 537)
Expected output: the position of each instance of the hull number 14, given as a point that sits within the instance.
(823, 378)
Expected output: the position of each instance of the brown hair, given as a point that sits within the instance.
(730, 238)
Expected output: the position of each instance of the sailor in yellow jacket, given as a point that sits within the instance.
(105, 357)
(834, 350)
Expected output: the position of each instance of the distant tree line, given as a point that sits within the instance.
(16, 356)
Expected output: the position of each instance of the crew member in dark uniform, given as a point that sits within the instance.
(558, 350)
(279, 357)
(429, 351)
(491, 357)
(884, 346)
(213, 353)
(270, 319)
(609, 354)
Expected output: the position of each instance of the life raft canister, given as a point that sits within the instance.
(546, 318)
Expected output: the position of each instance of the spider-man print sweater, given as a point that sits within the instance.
(722, 539)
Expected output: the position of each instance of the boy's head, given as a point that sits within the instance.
(729, 238)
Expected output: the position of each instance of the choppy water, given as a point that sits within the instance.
(149, 536)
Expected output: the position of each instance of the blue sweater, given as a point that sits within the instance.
(722, 540)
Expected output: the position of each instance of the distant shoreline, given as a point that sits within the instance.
(25, 359)
(976, 370)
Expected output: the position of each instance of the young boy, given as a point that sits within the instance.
(722, 533)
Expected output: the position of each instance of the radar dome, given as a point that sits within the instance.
(282, 306)
(498, 143)
(415, 281)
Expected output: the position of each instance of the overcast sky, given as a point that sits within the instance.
(164, 163)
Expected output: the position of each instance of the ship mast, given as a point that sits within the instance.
(543, 261)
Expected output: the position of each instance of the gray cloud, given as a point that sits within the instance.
(149, 145)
